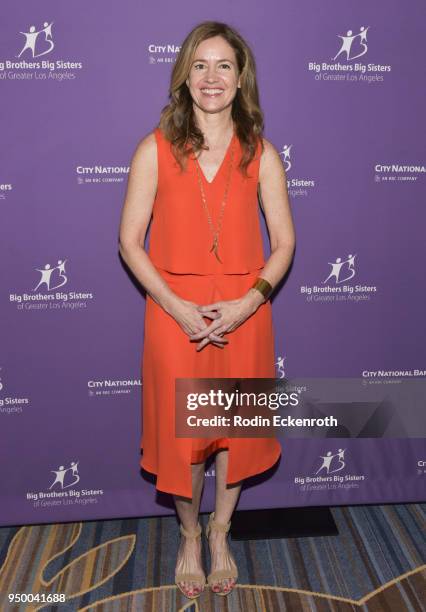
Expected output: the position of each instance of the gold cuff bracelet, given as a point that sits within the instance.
(263, 286)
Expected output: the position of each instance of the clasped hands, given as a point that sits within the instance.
(226, 316)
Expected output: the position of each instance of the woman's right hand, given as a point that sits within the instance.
(192, 321)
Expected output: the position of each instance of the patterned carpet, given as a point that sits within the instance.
(376, 563)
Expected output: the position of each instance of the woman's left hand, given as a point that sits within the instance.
(231, 314)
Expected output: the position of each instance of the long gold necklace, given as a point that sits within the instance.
(203, 197)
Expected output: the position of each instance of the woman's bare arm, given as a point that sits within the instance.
(276, 206)
(135, 218)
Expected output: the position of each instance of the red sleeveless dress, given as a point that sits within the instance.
(179, 247)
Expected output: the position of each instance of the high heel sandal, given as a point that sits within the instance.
(219, 575)
(187, 577)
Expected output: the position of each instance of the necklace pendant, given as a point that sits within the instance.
(214, 248)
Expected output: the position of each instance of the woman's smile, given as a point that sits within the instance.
(213, 92)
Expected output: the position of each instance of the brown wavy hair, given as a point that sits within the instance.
(177, 120)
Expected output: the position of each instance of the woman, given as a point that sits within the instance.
(208, 313)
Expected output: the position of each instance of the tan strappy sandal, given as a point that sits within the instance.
(218, 575)
(187, 577)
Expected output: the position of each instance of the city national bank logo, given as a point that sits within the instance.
(331, 474)
(383, 377)
(349, 62)
(162, 54)
(101, 174)
(33, 59)
(398, 172)
(296, 186)
(48, 293)
(339, 285)
(109, 387)
(62, 491)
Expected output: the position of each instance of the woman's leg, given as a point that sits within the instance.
(226, 500)
(189, 554)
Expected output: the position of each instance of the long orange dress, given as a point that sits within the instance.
(179, 248)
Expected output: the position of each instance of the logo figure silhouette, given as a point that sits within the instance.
(31, 39)
(47, 272)
(337, 266)
(348, 41)
(327, 460)
(285, 153)
(280, 365)
(61, 472)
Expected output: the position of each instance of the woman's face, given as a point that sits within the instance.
(213, 77)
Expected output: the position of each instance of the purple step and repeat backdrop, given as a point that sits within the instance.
(342, 89)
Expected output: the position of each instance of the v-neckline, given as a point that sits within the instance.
(218, 171)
